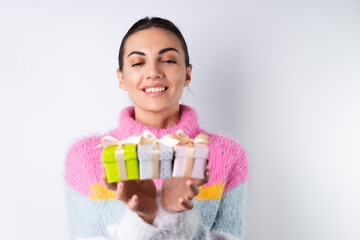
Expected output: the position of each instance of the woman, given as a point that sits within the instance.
(154, 68)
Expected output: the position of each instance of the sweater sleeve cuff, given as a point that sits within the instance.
(181, 225)
(132, 226)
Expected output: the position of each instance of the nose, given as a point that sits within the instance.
(153, 71)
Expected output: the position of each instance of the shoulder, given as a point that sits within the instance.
(226, 147)
(83, 164)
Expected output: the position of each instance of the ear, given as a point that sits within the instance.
(120, 75)
(188, 75)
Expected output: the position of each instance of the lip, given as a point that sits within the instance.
(154, 85)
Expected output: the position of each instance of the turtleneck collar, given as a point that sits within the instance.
(128, 126)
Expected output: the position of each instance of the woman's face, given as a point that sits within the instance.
(154, 71)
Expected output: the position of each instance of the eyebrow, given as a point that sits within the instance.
(168, 49)
(160, 52)
(136, 52)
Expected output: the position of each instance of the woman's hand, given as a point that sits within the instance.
(178, 193)
(138, 195)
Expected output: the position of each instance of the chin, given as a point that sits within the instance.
(157, 107)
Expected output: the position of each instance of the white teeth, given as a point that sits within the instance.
(155, 89)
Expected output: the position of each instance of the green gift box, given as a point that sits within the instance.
(121, 162)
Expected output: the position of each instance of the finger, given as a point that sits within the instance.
(110, 186)
(207, 176)
(205, 180)
(186, 203)
(120, 193)
(133, 203)
(194, 190)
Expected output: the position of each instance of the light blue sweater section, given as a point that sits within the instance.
(217, 219)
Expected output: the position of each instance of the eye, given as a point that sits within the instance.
(168, 61)
(137, 64)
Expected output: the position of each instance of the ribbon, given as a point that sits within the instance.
(109, 141)
(148, 137)
(184, 139)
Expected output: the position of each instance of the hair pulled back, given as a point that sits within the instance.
(146, 23)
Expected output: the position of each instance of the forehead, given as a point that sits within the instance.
(152, 39)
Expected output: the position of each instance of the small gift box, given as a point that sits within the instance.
(155, 156)
(120, 158)
(166, 156)
(191, 156)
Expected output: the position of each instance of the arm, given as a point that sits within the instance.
(230, 216)
(86, 214)
(229, 220)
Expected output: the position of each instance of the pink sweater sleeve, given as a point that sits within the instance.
(83, 165)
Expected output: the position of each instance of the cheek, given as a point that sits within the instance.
(178, 75)
(131, 79)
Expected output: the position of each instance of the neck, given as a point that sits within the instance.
(161, 119)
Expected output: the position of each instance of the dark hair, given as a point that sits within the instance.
(146, 23)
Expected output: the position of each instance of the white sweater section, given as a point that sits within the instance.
(166, 225)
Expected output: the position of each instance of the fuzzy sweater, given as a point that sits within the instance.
(219, 208)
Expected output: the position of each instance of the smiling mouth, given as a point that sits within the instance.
(155, 89)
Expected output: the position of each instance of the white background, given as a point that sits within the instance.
(282, 77)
